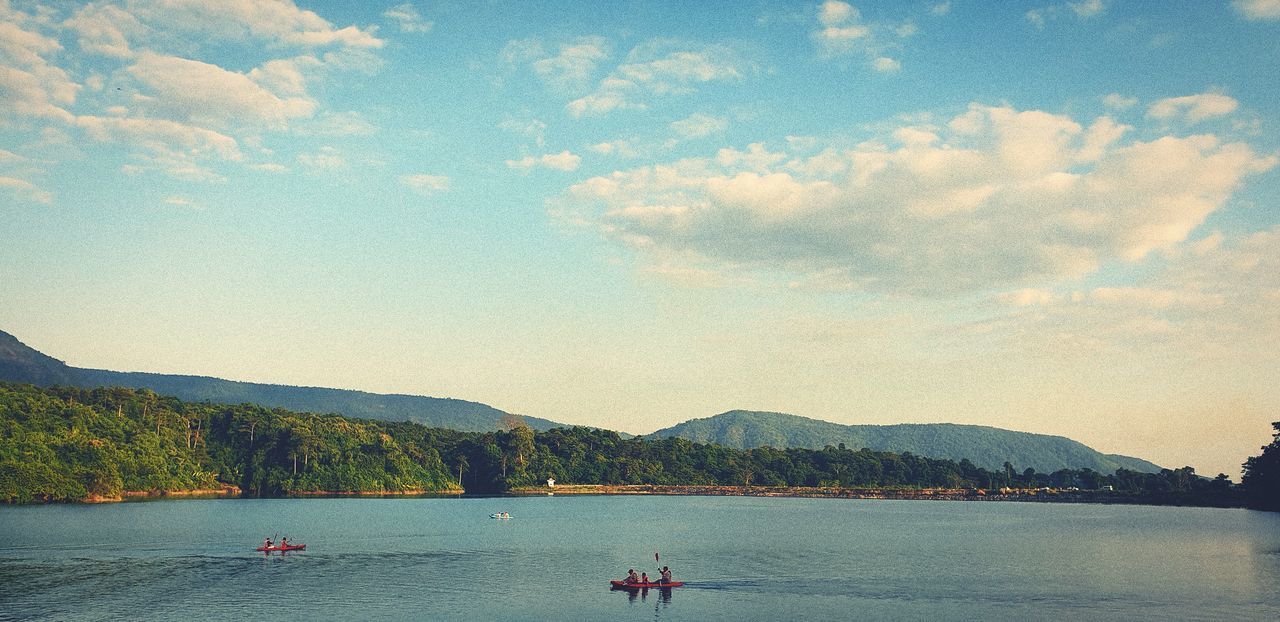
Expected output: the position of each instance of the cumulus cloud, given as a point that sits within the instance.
(659, 68)
(31, 86)
(528, 127)
(994, 197)
(563, 161)
(168, 146)
(105, 29)
(1217, 302)
(325, 158)
(1258, 9)
(885, 64)
(699, 125)
(1117, 101)
(177, 113)
(23, 190)
(406, 16)
(207, 94)
(841, 31)
(840, 28)
(575, 63)
(278, 22)
(1083, 9)
(1193, 108)
(425, 184)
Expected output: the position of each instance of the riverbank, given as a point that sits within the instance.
(227, 491)
(1043, 495)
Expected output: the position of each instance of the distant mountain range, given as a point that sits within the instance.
(986, 447)
(21, 363)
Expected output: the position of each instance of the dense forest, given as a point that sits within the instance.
(69, 444)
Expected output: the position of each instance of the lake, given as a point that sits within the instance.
(743, 558)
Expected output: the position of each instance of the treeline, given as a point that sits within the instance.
(66, 444)
(70, 444)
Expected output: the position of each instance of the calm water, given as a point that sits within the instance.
(743, 559)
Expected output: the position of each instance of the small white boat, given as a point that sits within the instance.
(500, 515)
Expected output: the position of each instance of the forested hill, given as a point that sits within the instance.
(70, 444)
(987, 447)
(21, 363)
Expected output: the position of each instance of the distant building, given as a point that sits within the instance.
(551, 482)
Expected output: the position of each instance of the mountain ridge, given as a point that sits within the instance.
(985, 446)
(22, 363)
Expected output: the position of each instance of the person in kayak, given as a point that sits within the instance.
(284, 543)
(631, 577)
(666, 575)
(644, 577)
(266, 544)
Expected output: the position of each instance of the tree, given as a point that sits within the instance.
(1261, 479)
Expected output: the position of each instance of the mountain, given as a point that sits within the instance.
(986, 447)
(21, 363)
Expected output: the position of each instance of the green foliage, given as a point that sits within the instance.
(65, 444)
(1261, 480)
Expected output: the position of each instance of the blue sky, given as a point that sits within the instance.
(1058, 217)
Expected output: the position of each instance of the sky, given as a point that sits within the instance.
(1055, 217)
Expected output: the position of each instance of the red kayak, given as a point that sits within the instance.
(645, 586)
(291, 547)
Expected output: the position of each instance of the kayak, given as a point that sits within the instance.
(502, 516)
(644, 586)
(291, 547)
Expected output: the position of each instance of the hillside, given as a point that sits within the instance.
(986, 447)
(21, 363)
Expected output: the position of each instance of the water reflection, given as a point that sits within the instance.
(642, 593)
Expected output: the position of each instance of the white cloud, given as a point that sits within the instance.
(407, 18)
(325, 158)
(575, 63)
(105, 29)
(699, 125)
(1084, 9)
(29, 85)
(425, 184)
(840, 28)
(996, 197)
(885, 64)
(942, 8)
(178, 201)
(207, 94)
(166, 140)
(336, 124)
(531, 128)
(24, 190)
(657, 69)
(1193, 108)
(621, 148)
(841, 31)
(1117, 101)
(1258, 9)
(274, 21)
(563, 161)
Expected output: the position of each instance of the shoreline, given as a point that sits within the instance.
(1036, 495)
(226, 491)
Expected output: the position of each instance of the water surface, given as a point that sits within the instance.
(743, 559)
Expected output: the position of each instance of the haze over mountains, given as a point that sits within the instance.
(986, 447)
